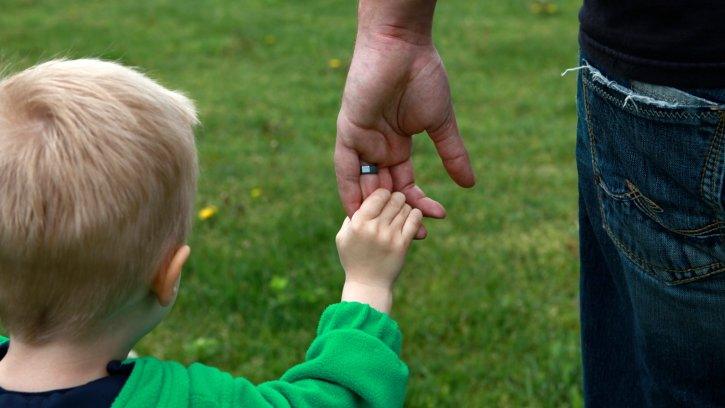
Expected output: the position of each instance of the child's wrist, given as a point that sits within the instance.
(379, 297)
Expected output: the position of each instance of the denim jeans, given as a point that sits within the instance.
(651, 163)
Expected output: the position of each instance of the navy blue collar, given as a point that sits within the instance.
(97, 393)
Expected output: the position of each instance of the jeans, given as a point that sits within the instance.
(651, 163)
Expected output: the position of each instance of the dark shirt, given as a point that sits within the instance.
(668, 42)
(98, 393)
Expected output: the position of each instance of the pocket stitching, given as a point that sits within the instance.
(651, 268)
(628, 196)
(702, 232)
(695, 232)
(601, 91)
(648, 267)
(636, 197)
(646, 208)
(708, 173)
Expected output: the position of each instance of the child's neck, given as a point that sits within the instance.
(56, 365)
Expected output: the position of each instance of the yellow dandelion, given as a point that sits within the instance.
(270, 40)
(256, 192)
(334, 63)
(550, 8)
(536, 8)
(208, 212)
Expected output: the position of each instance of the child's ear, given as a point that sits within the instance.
(166, 283)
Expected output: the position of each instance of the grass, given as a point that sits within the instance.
(488, 303)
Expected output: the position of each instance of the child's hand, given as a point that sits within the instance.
(372, 247)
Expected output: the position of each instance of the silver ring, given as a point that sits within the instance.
(368, 169)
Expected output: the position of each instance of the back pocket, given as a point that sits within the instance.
(658, 156)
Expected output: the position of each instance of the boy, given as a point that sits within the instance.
(97, 178)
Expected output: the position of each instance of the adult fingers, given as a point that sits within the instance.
(353, 143)
(422, 232)
(453, 153)
(392, 208)
(404, 182)
(347, 170)
(372, 182)
(373, 205)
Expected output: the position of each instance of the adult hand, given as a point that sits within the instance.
(396, 87)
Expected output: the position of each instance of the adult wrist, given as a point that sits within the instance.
(379, 297)
(410, 21)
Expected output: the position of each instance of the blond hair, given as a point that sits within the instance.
(97, 177)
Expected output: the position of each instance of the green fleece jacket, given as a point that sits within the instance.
(353, 362)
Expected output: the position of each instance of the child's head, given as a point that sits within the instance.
(97, 178)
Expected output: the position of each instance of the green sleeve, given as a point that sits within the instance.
(353, 362)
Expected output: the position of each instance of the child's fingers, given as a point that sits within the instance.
(399, 219)
(372, 205)
(396, 202)
(343, 230)
(412, 223)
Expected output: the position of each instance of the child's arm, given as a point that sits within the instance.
(372, 247)
(354, 361)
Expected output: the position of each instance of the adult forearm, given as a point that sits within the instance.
(408, 20)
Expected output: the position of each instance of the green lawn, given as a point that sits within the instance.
(488, 303)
